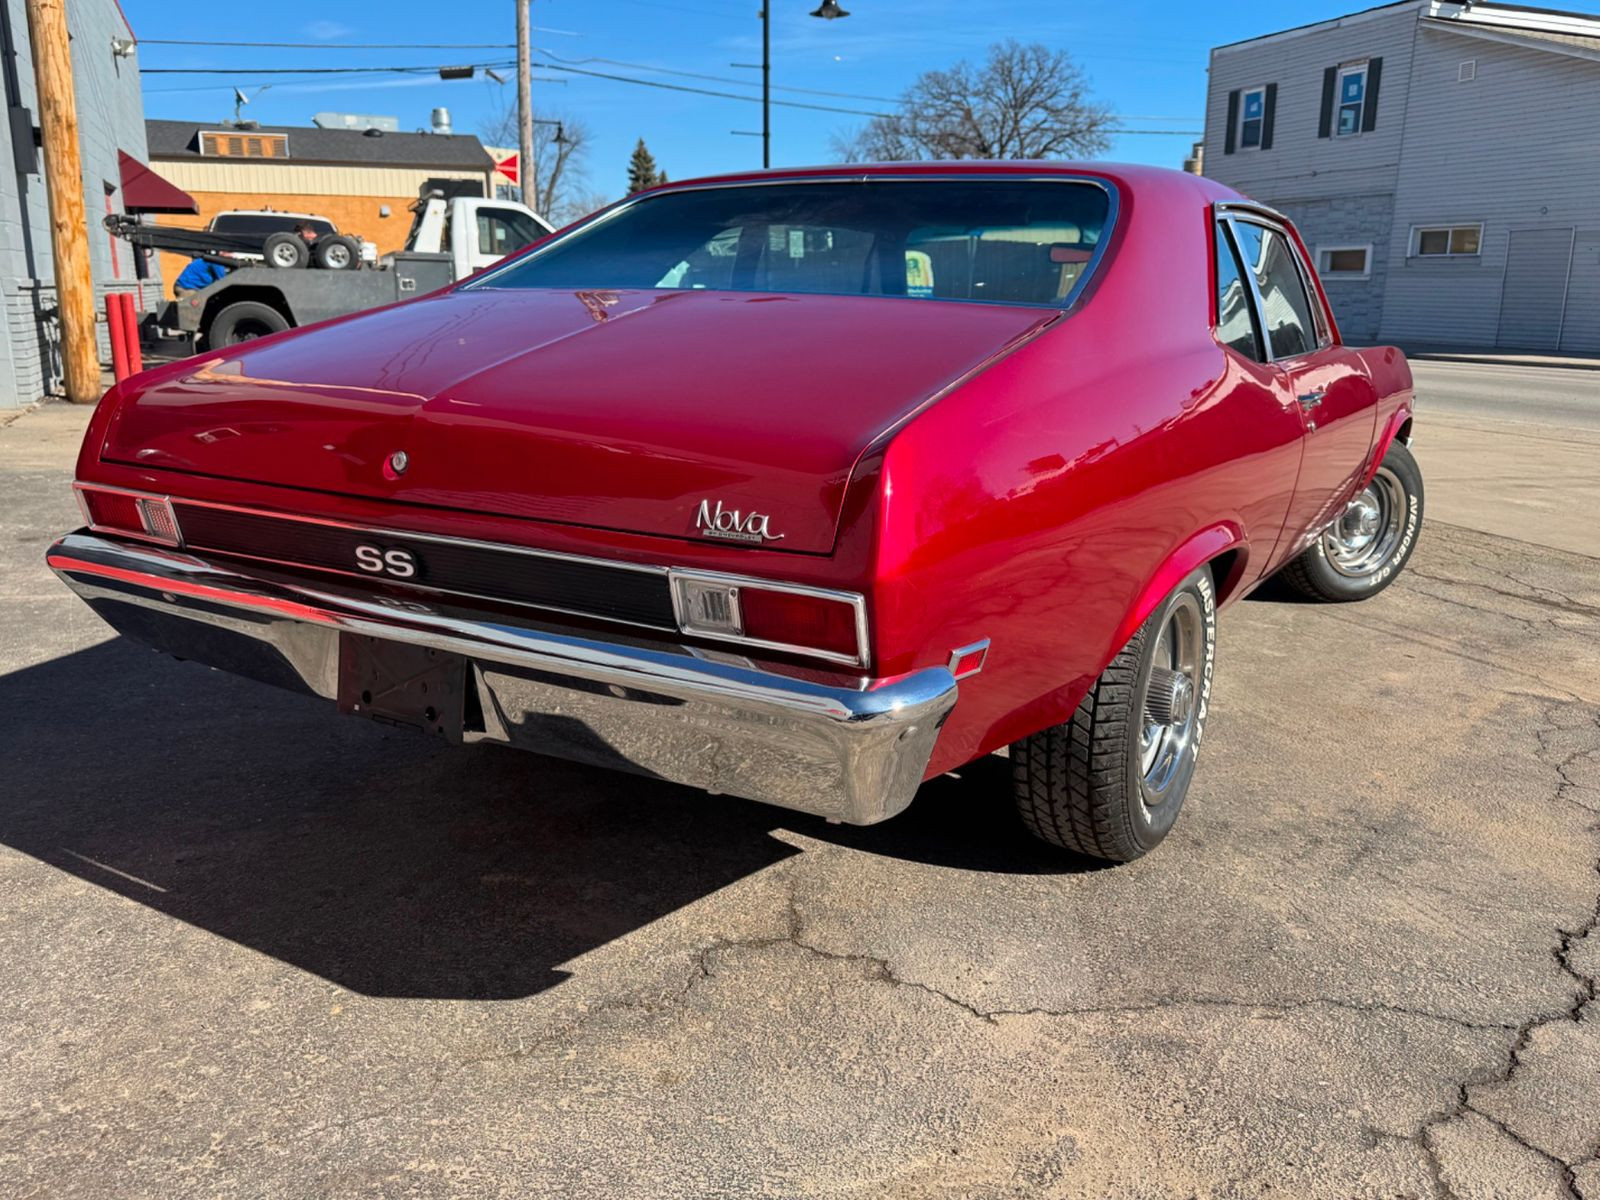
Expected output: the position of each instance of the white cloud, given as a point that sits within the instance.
(327, 31)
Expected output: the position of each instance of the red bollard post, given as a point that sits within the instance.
(130, 332)
(119, 346)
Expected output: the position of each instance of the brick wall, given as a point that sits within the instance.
(1350, 221)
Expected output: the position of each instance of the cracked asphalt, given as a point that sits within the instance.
(250, 949)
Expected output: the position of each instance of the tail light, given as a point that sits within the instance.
(133, 514)
(790, 618)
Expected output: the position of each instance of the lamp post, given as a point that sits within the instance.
(828, 10)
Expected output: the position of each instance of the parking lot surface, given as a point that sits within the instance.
(253, 949)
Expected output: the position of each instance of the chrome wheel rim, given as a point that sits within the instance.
(1170, 703)
(338, 257)
(1367, 532)
(283, 255)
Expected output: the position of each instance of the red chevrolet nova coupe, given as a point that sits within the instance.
(803, 486)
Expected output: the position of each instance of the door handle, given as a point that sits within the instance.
(1309, 400)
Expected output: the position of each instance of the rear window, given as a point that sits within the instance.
(1005, 241)
(265, 223)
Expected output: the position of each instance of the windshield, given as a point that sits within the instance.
(998, 240)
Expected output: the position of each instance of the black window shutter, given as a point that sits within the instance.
(1369, 109)
(1233, 122)
(1330, 80)
(1268, 108)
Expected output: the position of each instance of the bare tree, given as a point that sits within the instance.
(1024, 101)
(556, 184)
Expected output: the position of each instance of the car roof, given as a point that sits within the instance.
(1134, 177)
(272, 212)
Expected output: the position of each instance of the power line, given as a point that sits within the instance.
(568, 68)
(310, 70)
(678, 87)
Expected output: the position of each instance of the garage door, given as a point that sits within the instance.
(1535, 294)
(1580, 325)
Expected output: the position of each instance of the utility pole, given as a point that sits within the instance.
(63, 172)
(766, 85)
(527, 177)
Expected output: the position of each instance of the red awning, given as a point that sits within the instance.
(143, 191)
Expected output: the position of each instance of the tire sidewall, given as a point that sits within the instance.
(1147, 825)
(222, 329)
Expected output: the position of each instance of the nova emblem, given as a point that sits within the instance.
(401, 564)
(734, 525)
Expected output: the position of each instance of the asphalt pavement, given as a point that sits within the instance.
(252, 949)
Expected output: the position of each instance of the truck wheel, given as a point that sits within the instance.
(1109, 782)
(337, 253)
(244, 321)
(1362, 552)
(286, 250)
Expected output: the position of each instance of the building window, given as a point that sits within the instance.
(1252, 113)
(1446, 241)
(1344, 262)
(1352, 97)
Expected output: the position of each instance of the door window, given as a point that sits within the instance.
(504, 231)
(1286, 310)
(1236, 315)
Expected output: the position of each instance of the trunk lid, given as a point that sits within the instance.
(632, 410)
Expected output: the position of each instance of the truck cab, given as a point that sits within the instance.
(475, 232)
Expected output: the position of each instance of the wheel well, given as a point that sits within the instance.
(1224, 571)
(1403, 434)
(235, 295)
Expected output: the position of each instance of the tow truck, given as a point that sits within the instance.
(450, 238)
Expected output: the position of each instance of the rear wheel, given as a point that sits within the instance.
(1363, 552)
(1109, 782)
(335, 252)
(244, 321)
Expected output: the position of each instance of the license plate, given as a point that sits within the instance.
(401, 684)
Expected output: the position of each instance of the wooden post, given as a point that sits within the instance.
(527, 177)
(63, 170)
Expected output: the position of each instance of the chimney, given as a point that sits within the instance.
(441, 120)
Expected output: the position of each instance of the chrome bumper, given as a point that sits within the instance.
(708, 720)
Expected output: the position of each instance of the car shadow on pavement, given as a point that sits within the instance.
(382, 860)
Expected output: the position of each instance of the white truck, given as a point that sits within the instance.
(450, 238)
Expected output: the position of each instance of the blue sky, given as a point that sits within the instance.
(1145, 59)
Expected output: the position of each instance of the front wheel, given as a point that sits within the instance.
(1109, 782)
(1362, 552)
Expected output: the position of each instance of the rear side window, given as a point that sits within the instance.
(265, 223)
(1236, 315)
(1285, 307)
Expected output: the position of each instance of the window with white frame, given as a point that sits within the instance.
(1252, 115)
(1344, 262)
(1352, 98)
(1446, 241)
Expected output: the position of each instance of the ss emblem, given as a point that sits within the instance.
(401, 564)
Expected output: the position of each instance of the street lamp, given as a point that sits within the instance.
(828, 10)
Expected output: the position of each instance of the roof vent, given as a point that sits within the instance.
(441, 120)
(1468, 71)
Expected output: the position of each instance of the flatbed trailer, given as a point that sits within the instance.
(255, 301)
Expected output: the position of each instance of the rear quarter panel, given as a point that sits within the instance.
(1042, 504)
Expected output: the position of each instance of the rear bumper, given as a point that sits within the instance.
(713, 721)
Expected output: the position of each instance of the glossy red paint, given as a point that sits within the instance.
(1035, 478)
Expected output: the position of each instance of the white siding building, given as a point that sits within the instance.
(105, 74)
(1441, 160)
